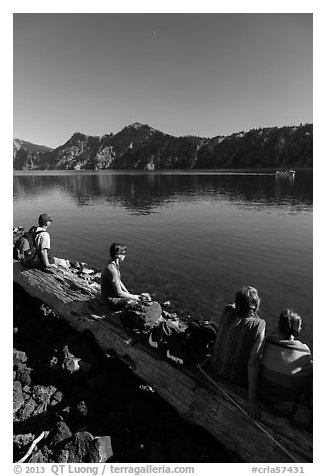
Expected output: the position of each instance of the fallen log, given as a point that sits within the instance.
(190, 391)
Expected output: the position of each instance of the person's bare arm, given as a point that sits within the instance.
(43, 254)
(123, 287)
(122, 291)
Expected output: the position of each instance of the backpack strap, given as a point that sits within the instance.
(34, 235)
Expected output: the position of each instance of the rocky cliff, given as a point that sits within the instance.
(27, 155)
(139, 146)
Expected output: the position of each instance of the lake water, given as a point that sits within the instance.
(193, 238)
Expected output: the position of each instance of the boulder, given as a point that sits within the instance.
(27, 389)
(40, 409)
(79, 447)
(81, 409)
(70, 362)
(43, 394)
(38, 457)
(18, 398)
(23, 373)
(58, 434)
(62, 456)
(76, 265)
(56, 398)
(19, 357)
(27, 410)
(101, 449)
(22, 440)
(97, 277)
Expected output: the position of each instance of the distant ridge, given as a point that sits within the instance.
(139, 146)
(26, 154)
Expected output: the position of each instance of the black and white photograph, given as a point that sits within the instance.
(162, 215)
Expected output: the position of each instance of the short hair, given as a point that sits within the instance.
(289, 323)
(117, 249)
(247, 300)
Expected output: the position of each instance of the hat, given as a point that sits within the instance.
(43, 219)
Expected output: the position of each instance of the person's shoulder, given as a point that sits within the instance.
(257, 319)
(111, 267)
(40, 230)
(300, 345)
(255, 322)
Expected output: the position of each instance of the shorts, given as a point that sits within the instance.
(116, 304)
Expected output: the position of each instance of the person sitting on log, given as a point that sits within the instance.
(114, 292)
(42, 258)
(237, 348)
(286, 366)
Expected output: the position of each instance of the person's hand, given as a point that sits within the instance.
(143, 298)
(253, 409)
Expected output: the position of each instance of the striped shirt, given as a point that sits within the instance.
(286, 369)
(236, 338)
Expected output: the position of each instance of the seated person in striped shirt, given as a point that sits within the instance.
(286, 366)
(238, 345)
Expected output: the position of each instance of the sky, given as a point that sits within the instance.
(203, 74)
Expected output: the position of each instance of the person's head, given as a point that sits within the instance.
(247, 300)
(44, 219)
(118, 250)
(289, 323)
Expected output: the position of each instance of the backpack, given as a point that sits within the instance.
(25, 246)
(168, 338)
(141, 316)
(200, 338)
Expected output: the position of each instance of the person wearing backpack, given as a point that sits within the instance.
(42, 243)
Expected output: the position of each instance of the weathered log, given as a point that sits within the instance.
(192, 395)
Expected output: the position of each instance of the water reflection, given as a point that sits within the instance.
(248, 229)
(143, 194)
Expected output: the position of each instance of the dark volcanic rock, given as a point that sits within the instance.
(23, 374)
(79, 447)
(107, 400)
(81, 409)
(19, 357)
(40, 456)
(28, 409)
(23, 440)
(62, 456)
(43, 394)
(100, 449)
(58, 434)
(18, 399)
(57, 398)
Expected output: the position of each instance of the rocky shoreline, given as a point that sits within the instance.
(86, 406)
